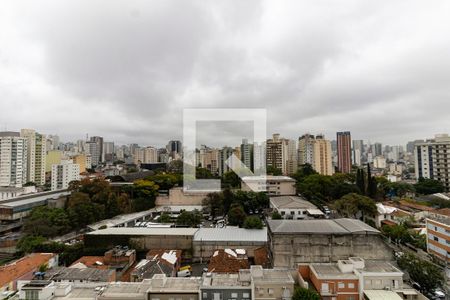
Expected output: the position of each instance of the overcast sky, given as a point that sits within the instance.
(126, 69)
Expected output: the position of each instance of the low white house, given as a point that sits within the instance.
(295, 208)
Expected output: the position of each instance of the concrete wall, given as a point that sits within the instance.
(226, 293)
(289, 250)
(177, 197)
(204, 250)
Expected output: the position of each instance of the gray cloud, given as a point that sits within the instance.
(125, 70)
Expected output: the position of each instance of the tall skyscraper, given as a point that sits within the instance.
(291, 157)
(247, 154)
(13, 159)
(306, 149)
(274, 152)
(174, 149)
(99, 148)
(224, 154)
(357, 151)
(377, 149)
(344, 155)
(36, 147)
(432, 159)
(259, 158)
(146, 155)
(322, 160)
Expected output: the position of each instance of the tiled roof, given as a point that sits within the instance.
(224, 262)
(91, 262)
(23, 266)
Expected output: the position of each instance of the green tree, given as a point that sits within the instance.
(213, 204)
(276, 216)
(371, 184)
(47, 222)
(175, 166)
(352, 204)
(144, 194)
(28, 243)
(166, 181)
(429, 186)
(253, 222)
(191, 219)
(165, 218)
(273, 171)
(231, 180)
(425, 273)
(236, 216)
(203, 173)
(305, 294)
(303, 171)
(360, 181)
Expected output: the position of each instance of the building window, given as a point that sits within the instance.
(351, 285)
(292, 212)
(217, 296)
(246, 295)
(234, 295)
(436, 239)
(341, 285)
(205, 295)
(270, 291)
(32, 295)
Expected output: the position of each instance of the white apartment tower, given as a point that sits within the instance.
(13, 159)
(433, 159)
(36, 155)
(63, 174)
(306, 149)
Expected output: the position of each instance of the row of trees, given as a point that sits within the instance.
(237, 205)
(401, 233)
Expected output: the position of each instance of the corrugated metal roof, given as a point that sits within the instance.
(324, 226)
(144, 231)
(231, 234)
(33, 198)
(290, 202)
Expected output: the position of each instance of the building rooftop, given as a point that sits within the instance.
(258, 274)
(161, 283)
(377, 266)
(120, 219)
(20, 267)
(228, 261)
(330, 271)
(125, 290)
(139, 231)
(90, 262)
(291, 202)
(71, 274)
(323, 226)
(229, 234)
(216, 280)
(267, 177)
(381, 295)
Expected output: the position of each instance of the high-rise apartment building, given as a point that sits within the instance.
(291, 157)
(63, 174)
(36, 148)
(174, 149)
(209, 159)
(259, 158)
(344, 161)
(433, 159)
(322, 159)
(81, 160)
(146, 155)
(274, 152)
(247, 154)
(357, 152)
(377, 149)
(96, 151)
(306, 149)
(13, 159)
(53, 157)
(224, 154)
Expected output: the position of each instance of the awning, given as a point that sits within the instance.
(314, 212)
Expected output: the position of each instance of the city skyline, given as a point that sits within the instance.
(369, 68)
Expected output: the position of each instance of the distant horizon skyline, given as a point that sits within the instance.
(64, 139)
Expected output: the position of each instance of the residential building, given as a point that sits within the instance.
(23, 269)
(306, 149)
(322, 156)
(226, 286)
(390, 215)
(94, 147)
(53, 157)
(271, 283)
(146, 155)
(13, 159)
(247, 154)
(273, 185)
(108, 151)
(228, 261)
(344, 162)
(13, 192)
(356, 278)
(294, 208)
(209, 159)
(433, 159)
(63, 174)
(438, 234)
(182, 288)
(379, 162)
(358, 150)
(259, 158)
(224, 155)
(36, 154)
(175, 149)
(276, 153)
(291, 157)
(298, 241)
(157, 262)
(82, 161)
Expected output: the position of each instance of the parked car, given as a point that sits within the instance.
(184, 273)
